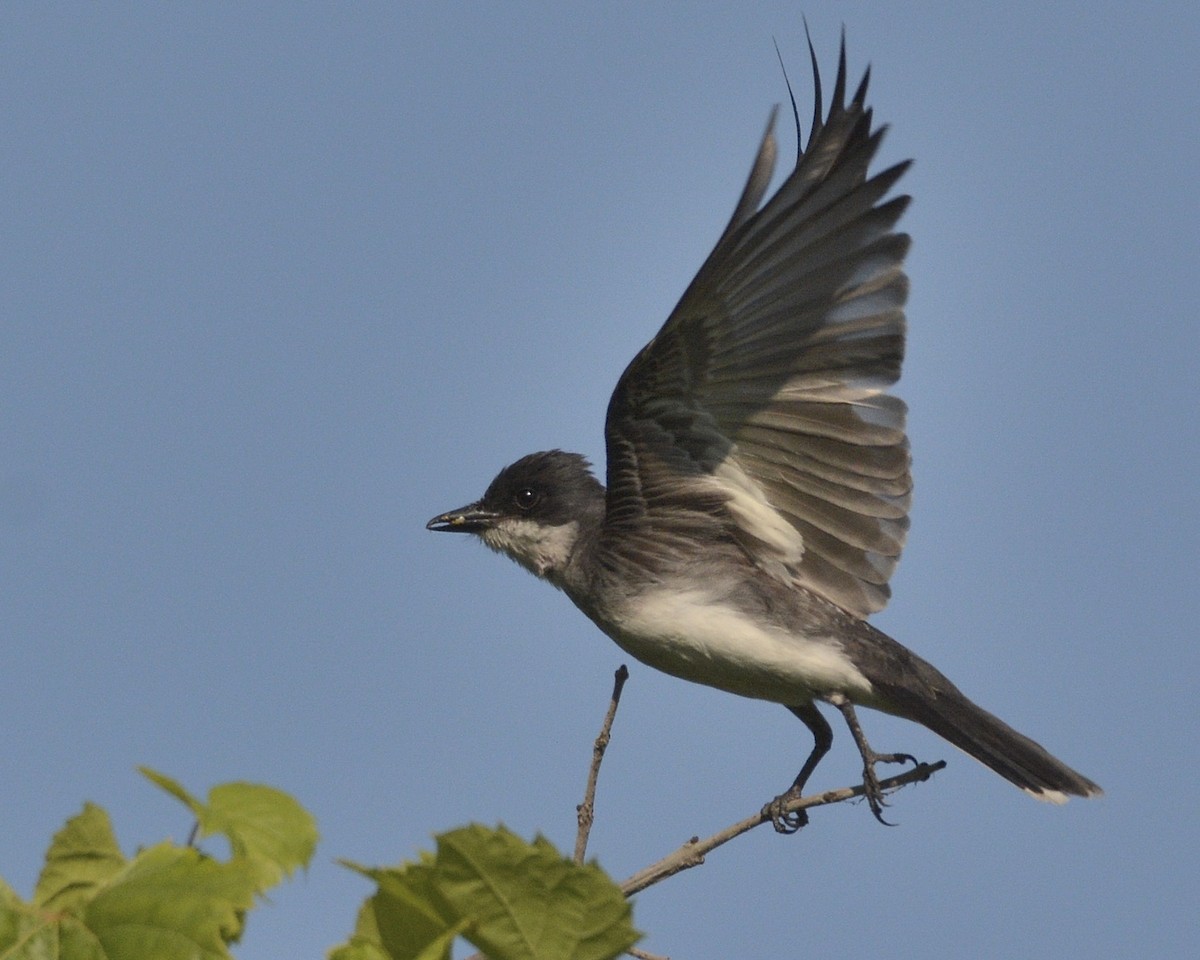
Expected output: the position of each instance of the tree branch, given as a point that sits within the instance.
(692, 853)
(643, 955)
(587, 810)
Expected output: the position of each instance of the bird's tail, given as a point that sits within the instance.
(928, 698)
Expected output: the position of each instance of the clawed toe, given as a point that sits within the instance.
(871, 788)
(783, 820)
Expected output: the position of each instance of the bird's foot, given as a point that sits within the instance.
(871, 788)
(783, 820)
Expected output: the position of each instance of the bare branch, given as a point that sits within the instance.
(587, 809)
(692, 853)
(644, 955)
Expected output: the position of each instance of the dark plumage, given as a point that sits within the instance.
(758, 471)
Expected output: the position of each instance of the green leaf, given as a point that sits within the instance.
(45, 942)
(407, 915)
(529, 902)
(83, 855)
(17, 921)
(76, 942)
(168, 903)
(265, 826)
(174, 788)
(364, 942)
(439, 948)
(171, 903)
(356, 948)
(513, 900)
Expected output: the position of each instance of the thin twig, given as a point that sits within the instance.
(587, 810)
(691, 854)
(645, 955)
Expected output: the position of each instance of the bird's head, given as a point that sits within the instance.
(534, 511)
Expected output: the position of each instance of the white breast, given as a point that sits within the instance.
(690, 635)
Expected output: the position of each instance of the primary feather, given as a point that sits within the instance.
(765, 390)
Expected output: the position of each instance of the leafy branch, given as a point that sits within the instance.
(169, 902)
(511, 899)
(688, 855)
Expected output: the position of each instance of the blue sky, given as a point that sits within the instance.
(281, 283)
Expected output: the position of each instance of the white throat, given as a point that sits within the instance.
(541, 549)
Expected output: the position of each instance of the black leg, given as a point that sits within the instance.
(822, 740)
(869, 757)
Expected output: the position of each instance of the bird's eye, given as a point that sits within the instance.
(526, 498)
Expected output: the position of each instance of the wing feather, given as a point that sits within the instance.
(759, 413)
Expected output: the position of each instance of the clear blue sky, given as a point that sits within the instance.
(279, 284)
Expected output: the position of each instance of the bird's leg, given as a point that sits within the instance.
(782, 821)
(871, 788)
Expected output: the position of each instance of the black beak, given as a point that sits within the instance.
(469, 519)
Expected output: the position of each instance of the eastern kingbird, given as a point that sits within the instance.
(758, 472)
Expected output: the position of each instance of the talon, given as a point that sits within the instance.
(871, 788)
(873, 792)
(785, 821)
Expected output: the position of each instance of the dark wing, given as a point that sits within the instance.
(759, 412)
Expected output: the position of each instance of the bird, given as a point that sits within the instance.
(758, 476)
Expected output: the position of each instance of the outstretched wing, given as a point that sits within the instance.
(759, 412)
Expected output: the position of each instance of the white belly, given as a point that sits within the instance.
(686, 634)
